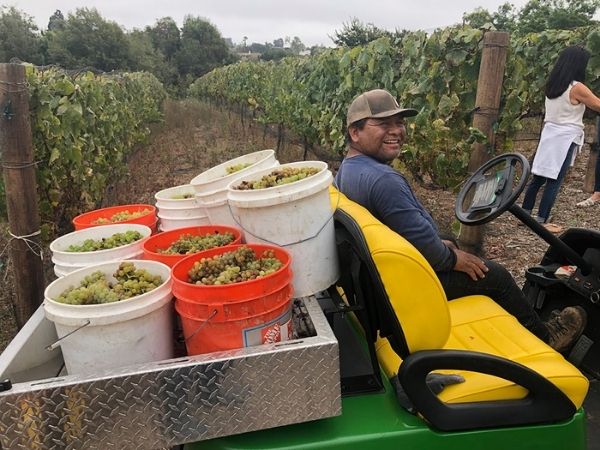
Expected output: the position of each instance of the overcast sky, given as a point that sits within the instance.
(265, 20)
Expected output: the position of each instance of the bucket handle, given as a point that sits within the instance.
(235, 219)
(212, 314)
(57, 342)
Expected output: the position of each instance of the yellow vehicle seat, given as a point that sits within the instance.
(511, 376)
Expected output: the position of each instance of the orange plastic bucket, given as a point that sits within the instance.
(165, 239)
(209, 335)
(86, 220)
(243, 309)
(230, 293)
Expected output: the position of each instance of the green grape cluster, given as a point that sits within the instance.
(116, 240)
(236, 266)
(121, 216)
(277, 177)
(95, 289)
(182, 196)
(188, 243)
(236, 168)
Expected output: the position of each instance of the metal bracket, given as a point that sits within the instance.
(7, 111)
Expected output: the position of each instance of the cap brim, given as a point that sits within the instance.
(404, 112)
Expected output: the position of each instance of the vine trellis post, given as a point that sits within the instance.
(588, 182)
(19, 171)
(487, 104)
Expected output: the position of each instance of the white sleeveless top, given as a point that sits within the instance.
(563, 126)
(561, 111)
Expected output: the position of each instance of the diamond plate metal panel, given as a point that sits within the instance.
(178, 401)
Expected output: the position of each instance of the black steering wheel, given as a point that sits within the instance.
(492, 189)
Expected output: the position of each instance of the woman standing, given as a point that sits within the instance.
(562, 135)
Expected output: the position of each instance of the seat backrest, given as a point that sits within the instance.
(410, 308)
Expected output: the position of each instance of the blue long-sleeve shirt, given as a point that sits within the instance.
(389, 197)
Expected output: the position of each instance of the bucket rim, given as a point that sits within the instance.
(236, 302)
(275, 195)
(177, 232)
(100, 229)
(179, 208)
(197, 182)
(87, 270)
(83, 264)
(182, 187)
(181, 218)
(191, 259)
(268, 311)
(80, 219)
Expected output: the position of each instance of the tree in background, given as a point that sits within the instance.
(144, 56)
(274, 54)
(19, 37)
(296, 45)
(166, 37)
(88, 40)
(504, 18)
(357, 33)
(540, 15)
(56, 21)
(255, 47)
(536, 16)
(202, 48)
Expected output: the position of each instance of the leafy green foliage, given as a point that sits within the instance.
(535, 16)
(356, 33)
(88, 40)
(83, 127)
(540, 15)
(165, 36)
(435, 73)
(19, 37)
(202, 48)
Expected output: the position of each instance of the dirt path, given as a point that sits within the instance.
(196, 137)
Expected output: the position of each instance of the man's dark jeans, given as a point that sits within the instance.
(500, 286)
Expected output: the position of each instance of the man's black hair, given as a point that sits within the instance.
(360, 124)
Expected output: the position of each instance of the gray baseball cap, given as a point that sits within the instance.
(377, 103)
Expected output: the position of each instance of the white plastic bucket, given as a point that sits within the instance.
(297, 216)
(65, 262)
(62, 268)
(133, 331)
(170, 223)
(217, 178)
(164, 198)
(219, 213)
(182, 213)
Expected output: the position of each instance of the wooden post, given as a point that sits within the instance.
(588, 182)
(18, 167)
(487, 103)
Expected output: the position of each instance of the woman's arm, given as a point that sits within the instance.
(582, 94)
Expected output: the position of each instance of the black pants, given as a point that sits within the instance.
(500, 286)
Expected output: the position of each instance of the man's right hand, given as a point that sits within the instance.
(470, 264)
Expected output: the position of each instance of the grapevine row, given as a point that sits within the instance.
(83, 126)
(435, 73)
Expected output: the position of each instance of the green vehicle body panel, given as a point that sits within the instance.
(378, 422)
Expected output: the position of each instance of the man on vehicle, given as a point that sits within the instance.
(375, 135)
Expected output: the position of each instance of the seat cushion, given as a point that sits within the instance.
(479, 324)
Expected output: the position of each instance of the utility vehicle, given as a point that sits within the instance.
(357, 375)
